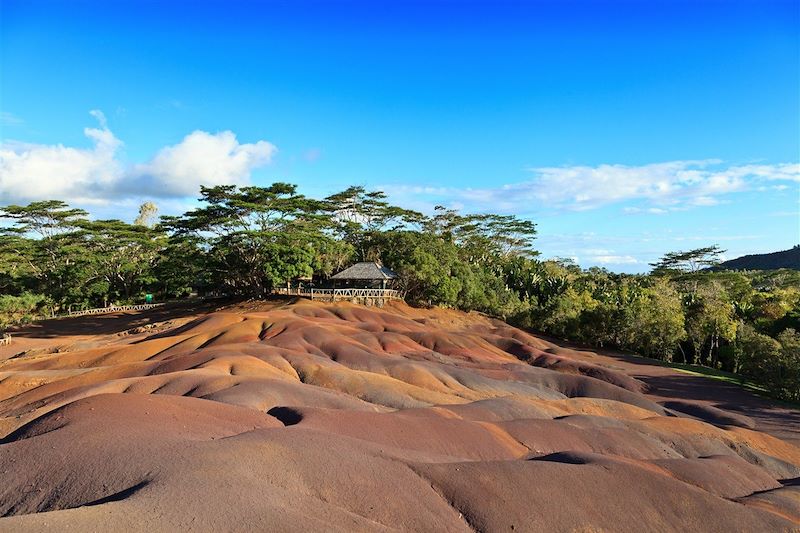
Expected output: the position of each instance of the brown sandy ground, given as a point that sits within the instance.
(287, 416)
(672, 387)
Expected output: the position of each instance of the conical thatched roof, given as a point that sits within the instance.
(365, 270)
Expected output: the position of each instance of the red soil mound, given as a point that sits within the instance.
(339, 417)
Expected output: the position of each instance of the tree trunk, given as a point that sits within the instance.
(683, 354)
(711, 358)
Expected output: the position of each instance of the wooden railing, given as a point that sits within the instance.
(113, 309)
(341, 294)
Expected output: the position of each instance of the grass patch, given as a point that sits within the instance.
(721, 376)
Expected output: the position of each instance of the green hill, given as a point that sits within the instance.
(785, 259)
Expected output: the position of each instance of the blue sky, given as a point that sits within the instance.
(624, 129)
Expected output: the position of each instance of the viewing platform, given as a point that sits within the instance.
(364, 283)
(376, 297)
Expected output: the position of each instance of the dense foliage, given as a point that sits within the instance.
(740, 322)
(247, 241)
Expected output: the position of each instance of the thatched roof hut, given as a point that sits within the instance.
(368, 270)
(367, 273)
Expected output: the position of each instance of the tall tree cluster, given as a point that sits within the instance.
(56, 251)
(246, 241)
(746, 323)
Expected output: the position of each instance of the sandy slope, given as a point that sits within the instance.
(311, 416)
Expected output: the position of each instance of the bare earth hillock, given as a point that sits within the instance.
(336, 417)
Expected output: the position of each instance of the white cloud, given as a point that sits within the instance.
(783, 172)
(632, 252)
(602, 256)
(96, 174)
(650, 210)
(661, 187)
(35, 171)
(204, 159)
(703, 201)
(584, 187)
(596, 251)
(614, 259)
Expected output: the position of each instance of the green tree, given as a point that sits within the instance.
(42, 238)
(257, 237)
(788, 368)
(484, 238)
(655, 324)
(17, 270)
(691, 261)
(710, 319)
(425, 264)
(755, 353)
(360, 215)
(182, 266)
(119, 256)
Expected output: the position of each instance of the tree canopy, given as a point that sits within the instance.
(691, 261)
(246, 241)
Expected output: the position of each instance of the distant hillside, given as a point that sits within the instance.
(785, 259)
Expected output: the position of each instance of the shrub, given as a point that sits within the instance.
(775, 363)
(788, 385)
(18, 310)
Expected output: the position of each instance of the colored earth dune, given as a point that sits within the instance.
(303, 416)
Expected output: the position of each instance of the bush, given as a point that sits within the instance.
(775, 363)
(19, 310)
(788, 371)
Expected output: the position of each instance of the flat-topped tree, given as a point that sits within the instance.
(368, 210)
(40, 245)
(359, 215)
(258, 237)
(119, 255)
(690, 262)
(484, 235)
(45, 219)
(74, 260)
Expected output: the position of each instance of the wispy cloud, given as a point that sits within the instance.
(785, 214)
(649, 210)
(675, 183)
(661, 187)
(595, 256)
(10, 119)
(614, 259)
(97, 175)
(632, 252)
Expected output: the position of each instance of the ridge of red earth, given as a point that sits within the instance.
(298, 415)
